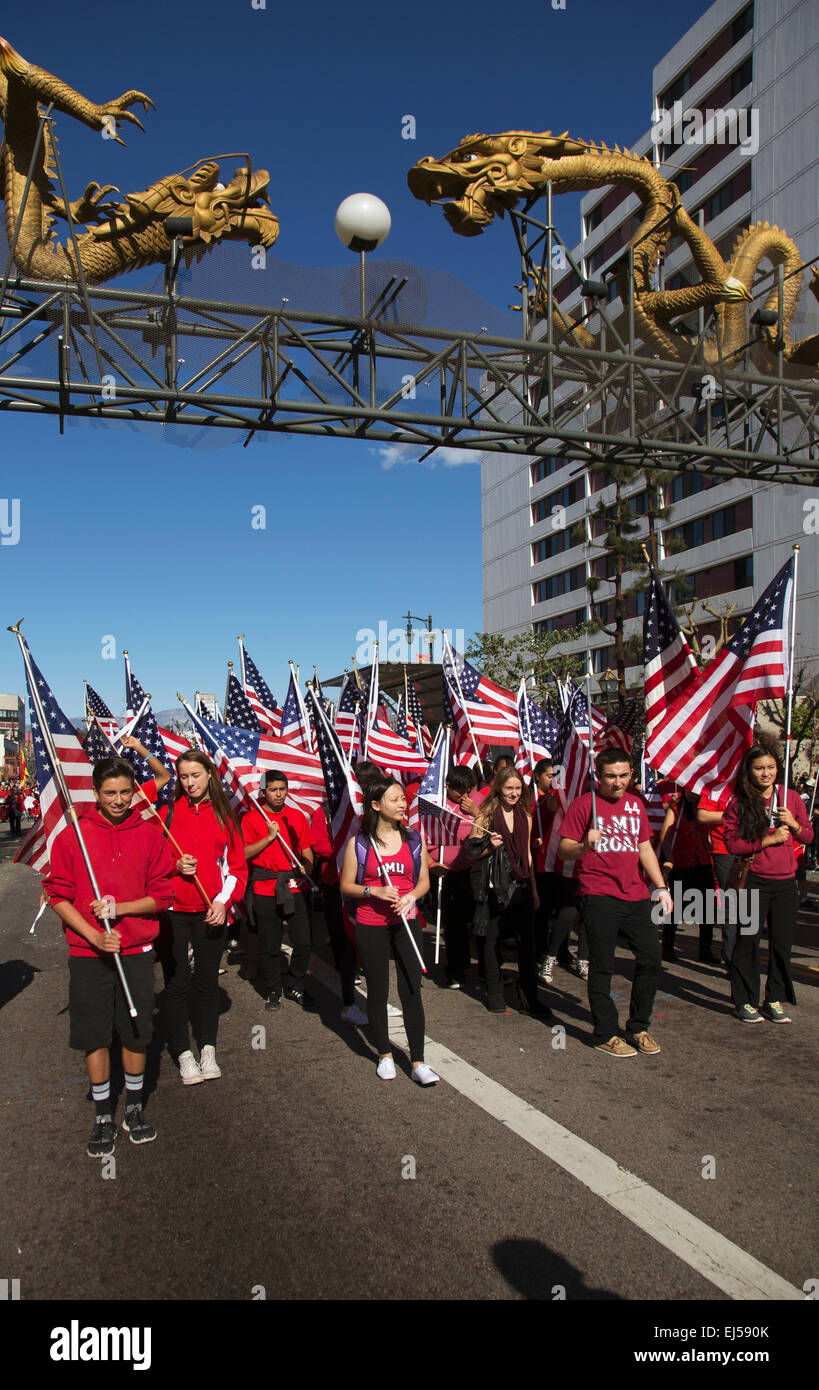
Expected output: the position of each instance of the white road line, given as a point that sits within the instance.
(719, 1260)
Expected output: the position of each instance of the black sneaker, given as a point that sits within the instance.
(103, 1137)
(273, 1000)
(298, 996)
(135, 1124)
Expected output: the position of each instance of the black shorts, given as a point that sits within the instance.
(96, 1002)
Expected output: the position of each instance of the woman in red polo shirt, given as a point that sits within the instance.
(206, 829)
(380, 932)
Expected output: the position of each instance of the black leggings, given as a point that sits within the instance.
(180, 983)
(375, 946)
(342, 946)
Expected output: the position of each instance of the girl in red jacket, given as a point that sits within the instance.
(204, 826)
(762, 821)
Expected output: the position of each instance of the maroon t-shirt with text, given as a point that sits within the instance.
(612, 869)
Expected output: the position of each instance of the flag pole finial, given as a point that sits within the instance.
(16, 626)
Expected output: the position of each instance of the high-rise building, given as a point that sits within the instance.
(13, 717)
(759, 62)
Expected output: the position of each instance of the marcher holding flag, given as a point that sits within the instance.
(206, 828)
(385, 872)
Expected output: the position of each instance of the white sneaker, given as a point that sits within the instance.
(386, 1069)
(352, 1014)
(208, 1063)
(424, 1075)
(583, 969)
(546, 971)
(189, 1069)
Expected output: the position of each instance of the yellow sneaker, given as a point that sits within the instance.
(616, 1047)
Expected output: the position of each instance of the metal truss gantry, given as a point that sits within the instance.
(70, 350)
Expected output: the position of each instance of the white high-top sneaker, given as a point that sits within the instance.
(208, 1064)
(189, 1069)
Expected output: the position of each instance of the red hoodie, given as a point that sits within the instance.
(777, 861)
(131, 860)
(197, 831)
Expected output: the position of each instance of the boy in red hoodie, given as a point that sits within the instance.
(134, 870)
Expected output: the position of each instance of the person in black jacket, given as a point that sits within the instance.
(505, 891)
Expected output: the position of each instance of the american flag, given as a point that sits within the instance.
(239, 712)
(242, 755)
(98, 709)
(417, 721)
(436, 822)
(343, 794)
(669, 666)
(149, 733)
(265, 708)
(97, 746)
(479, 705)
(619, 733)
(35, 849)
(571, 756)
(345, 721)
(599, 720)
(295, 725)
(703, 734)
(655, 810)
(386, 748)
(534, 740)
(551, 723)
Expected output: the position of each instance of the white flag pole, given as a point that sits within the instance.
(790, 675)
(227, 683)
(591, 739)
(128, 706)
(240, 640)
(441, 799)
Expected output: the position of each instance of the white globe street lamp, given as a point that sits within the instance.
(362, 223)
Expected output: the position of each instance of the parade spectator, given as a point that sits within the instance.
(281, 892)
(134, 869)
(380, 932)
(614, 898)
(212, 865)
(763, 825)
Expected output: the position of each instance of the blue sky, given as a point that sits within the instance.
(123, 535)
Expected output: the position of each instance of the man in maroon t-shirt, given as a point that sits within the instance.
(614, 897)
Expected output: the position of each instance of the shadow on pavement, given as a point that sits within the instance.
(538, 1273)
(15, 975)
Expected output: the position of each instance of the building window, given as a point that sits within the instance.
(594, 218)
(684, 179)
(678, 89)
(549, 546)
(545, 467)
(742, 25)
(557, 584)
(742, 76)
(691, 534)
(744, 572)
(564, 497)
(688, 484)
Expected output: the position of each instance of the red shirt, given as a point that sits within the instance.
(322, 846)
(197, 832)
(296, 832)
(546, 807)
(375, 911)
(777, 861)
(131, 860)
(453, 855)
(612, 869)
(686, 842)
(716, 831)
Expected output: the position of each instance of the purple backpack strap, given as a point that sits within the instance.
(415, 851)
(362, 849)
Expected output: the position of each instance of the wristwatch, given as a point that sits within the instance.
(366, 890)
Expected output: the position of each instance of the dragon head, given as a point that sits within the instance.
(487, 174)
(238, 211)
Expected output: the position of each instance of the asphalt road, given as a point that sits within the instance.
(287, 1178)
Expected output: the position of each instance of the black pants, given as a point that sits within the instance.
(701, 879)
(375, 946)
(15, 821)
(457, 909)
(270, 920)
(201, 986)
(517, 917)
(778, 904)
(604, 918)
(340, 943)
(556, 917)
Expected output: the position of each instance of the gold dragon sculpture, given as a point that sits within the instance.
(120, 236)
(487, 175)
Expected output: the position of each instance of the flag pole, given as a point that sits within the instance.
(790, 676)
(57, 769)
(128, 707)
(447, 647)
(355, 731)
(442, 791)
(240, 640)
(813, 798)
(591, 739)
(227, 686)
(402, 915)
(155, 813)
